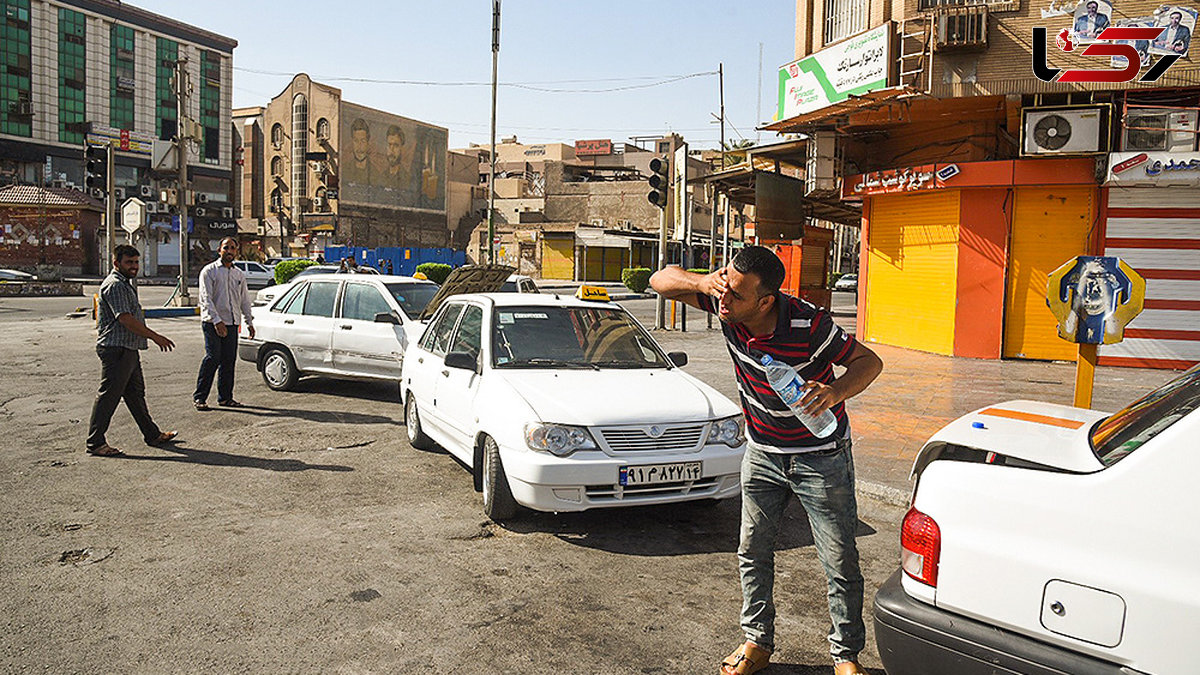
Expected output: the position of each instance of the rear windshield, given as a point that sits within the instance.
(412, 297)
(1123, 432)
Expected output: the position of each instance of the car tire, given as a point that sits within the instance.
(279, 369)
(412, 423)
(498, 502)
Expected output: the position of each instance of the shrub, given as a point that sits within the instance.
(636, 279)
(435, 272)
(287, 269)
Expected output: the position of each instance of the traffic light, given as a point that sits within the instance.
(660, 181)
(96, 159)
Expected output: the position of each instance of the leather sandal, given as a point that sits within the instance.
(105, 450)
(746, 659)
(163, 438)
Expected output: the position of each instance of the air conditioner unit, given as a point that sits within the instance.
(119, 194)
(169, 195)
(201, 198)
(960, 28)
(151, 207)
(260, 230)
(58, 183)
(318, 202)
(598, 222)
(1063, 131)
(820, 168)
(97, 193)
(21, 108)
(1160, 129)
(200, 211)
(227, 212)
(146, 191)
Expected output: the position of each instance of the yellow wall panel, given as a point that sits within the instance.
(558, 258)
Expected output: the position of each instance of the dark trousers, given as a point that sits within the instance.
(120, 377)
(220, 357)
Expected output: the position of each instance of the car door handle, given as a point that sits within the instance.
(445, 373)
(420, 359)
(345, 326)
(289, 321)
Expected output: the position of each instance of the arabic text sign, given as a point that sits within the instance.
(1154, 168)
(927, 177)
(133, 142)
(854, 66)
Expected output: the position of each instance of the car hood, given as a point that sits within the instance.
(617, 396)
(467, 279)
(1043, 433)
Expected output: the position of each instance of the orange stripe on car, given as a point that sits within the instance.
(1031, 417)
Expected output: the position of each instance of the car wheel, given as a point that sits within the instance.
(412, 422)
(498, 502)
(279, 370)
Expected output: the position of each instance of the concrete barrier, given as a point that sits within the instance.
(33, 289)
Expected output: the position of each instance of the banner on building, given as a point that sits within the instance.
(1154, 168)
(391, 161)
(856, 65)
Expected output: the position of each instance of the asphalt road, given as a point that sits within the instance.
(304, 534)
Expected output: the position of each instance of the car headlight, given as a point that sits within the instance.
(729, 431)
(558, 439)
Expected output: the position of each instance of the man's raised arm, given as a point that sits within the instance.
(676, 283)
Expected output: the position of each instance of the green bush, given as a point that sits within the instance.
(435, 272)
(636, 279)
(287, 269)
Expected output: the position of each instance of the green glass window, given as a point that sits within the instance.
(166, 53)
(16, 108)
(121, 74)
(210, 104)
(72, 75)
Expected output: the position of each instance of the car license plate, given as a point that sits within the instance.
(650, 474)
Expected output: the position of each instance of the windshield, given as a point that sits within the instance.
(412, 297)
(580, 337)
(1123, 432)
(508, 287)
(309, 271)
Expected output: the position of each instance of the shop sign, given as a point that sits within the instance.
(133, 142)
(1153, 168)
(927, 177)
(592, 148)
(856, 65)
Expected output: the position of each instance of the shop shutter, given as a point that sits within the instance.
(615, 260)
(1049, 227)
(912, 270)
(558, 257)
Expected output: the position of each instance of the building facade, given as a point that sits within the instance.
(981, 167)
(100, 72)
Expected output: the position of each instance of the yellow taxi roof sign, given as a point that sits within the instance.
(597, 293)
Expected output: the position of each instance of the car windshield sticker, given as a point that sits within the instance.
(530, 315)
(506, 317)
(501, 359)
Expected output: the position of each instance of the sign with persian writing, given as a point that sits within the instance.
(854, 66)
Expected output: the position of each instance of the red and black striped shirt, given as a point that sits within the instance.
(806, 338)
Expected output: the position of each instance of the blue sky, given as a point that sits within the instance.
(543, 42)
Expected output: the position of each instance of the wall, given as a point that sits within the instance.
(52, 230)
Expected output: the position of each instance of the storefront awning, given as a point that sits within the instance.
(325, 227)
(739, 184)
(826, 116)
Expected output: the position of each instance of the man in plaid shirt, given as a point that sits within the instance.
(122, 334)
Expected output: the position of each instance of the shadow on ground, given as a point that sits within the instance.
(214, 458)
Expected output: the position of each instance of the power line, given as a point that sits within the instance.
(531, 86)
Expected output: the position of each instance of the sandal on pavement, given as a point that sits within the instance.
(748, 658)
(105, 450)
(164, 437)
(201, 405)
(231, 404)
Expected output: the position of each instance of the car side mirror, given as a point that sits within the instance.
(387, 317)
(462, 361)
(678, 358)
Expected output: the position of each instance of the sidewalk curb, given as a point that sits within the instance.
(884, 493)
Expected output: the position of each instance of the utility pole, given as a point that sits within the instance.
(725, 220)
(110, 228)
(182, 88)
(491, 236)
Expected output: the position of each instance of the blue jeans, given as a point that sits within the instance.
(824, 484)
(220, 357)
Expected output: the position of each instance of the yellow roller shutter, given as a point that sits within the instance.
(558, 258)
(912, 270)
(614, 261)
(1050, 226)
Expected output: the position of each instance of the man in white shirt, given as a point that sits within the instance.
(224, 304)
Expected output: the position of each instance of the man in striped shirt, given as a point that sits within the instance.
(782, 456)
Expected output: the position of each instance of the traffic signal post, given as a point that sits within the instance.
(660, 182)
(98, 162)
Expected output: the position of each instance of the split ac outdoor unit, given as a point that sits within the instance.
(1063, 131)
(119, 194)
(226, 211)
(146, 191)
(201, 198)
(260, 230)
(960, 28)
(318, 202)
(200, 211)
(151, 207)
(1166, 129)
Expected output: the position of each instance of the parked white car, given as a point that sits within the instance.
(519, 283)
(846, 282)
(266, 295)
(257, 274)
(1049, 539)
(560, 404)
(353, 326)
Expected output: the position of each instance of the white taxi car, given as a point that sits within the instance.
(1049, 539)
(561, 404)
(352, 326)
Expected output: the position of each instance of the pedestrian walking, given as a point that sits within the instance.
(122, 333)
(224, 304)
(783, 457)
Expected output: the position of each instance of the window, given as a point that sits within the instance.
(844, 18)
(320, 299)
(72, 77)
(1123, 432)
(121, 76)
(292, 302)
(541, 336)
(362, 302)
(276, 200)
(277, 135)
(412, 298)
(276, 166)
(166, 54)
(299, 150)
(16, 92)
(322, 129)
(470, 332)
(437, 336)
(210, 105)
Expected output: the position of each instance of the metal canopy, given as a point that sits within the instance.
(829, 115)
(739, 184)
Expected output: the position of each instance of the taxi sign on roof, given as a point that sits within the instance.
(597, 293)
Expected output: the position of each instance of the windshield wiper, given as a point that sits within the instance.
(559, 363)
(626, 363)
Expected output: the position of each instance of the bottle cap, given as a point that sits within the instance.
(766, 359)
(977, 425)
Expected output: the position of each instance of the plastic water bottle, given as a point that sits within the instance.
(790, 386)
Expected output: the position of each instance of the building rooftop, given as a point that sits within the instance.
(38, 196)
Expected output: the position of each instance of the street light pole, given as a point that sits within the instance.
(491, 236)
(181, 91)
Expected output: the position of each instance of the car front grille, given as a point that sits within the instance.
(640, 439)
(630, 494)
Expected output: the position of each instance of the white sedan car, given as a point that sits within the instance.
(258, 275)
(559, 404)
(1049, 539)
(353, 326)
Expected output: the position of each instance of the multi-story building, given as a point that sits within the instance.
(100, 71)
(326, 171)
(987, 148)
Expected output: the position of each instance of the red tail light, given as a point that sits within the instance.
(920, 547)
